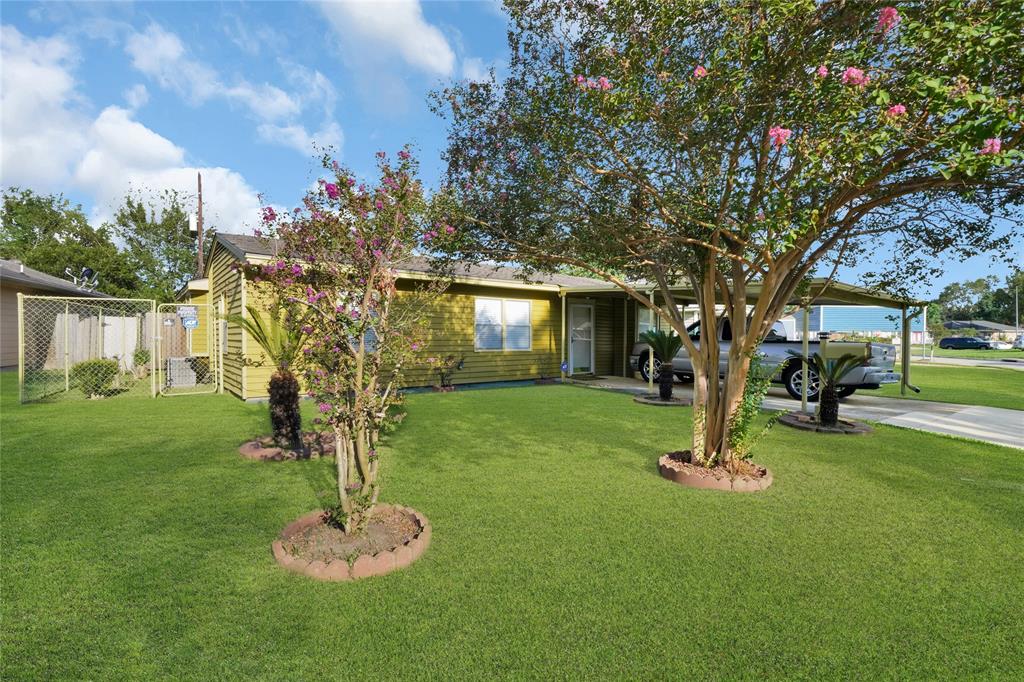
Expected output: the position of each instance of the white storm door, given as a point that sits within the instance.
(581, 338)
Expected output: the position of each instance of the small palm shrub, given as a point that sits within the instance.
(829, 372)
(665, 346)
(95, 377)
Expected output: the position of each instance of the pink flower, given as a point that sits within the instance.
(779, 136)
(331, 189)
(296, 269)
(700, 72)
(379, 204)
(887, 19)
(854, 76)
(324, 408)
(449, 229)
(604, 84)
(993, 145)
(269, 214)
(580, 80)
(403, 155)
(351, 181)
(896, 110)
(822, 71)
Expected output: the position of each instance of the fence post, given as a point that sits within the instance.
(21, 347)
(154, 348)
(67, 348)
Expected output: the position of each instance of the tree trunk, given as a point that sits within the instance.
(665, 381)
(828, 405)
(285, 417)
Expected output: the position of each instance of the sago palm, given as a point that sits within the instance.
(665, 346)
(281, 345)
(830, 371)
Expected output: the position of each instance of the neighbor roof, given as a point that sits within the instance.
(982, 325)
(243, 245)
(16, 271)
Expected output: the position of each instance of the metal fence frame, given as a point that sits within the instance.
(52, 347)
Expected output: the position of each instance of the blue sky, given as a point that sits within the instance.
(100, 98)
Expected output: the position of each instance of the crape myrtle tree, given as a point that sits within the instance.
(335, 274)
(726, 144)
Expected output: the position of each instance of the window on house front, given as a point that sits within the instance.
(503, 324)
(644, 320)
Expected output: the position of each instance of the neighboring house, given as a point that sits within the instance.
(17, 278)
(983, 328)
(860, 320)
(506, 328)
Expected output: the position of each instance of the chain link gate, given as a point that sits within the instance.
(187, 348)
(80, 347)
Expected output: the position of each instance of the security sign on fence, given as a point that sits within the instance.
(89, 348)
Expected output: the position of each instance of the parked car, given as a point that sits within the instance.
(964, 343)
(877, 369)
(1018, 343)
(996, 344)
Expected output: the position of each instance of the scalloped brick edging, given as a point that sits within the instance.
(655, 399)
(365, 565)
(806, 422)
(739, 484)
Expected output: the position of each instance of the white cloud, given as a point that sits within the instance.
(136, 96)
(296, 136)
(50, 144)
(391, 27)
(42, 127)
(474, 69)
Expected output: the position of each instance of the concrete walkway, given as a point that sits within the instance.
(989, 424)
(971, 362)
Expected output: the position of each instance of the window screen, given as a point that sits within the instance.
(488, 324)
(517, 325)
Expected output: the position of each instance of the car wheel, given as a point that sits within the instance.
(643, 367)
(793, 379)
(846, 391)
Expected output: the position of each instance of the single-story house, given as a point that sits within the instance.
(507, 329)
(983, 328)
(17, 278)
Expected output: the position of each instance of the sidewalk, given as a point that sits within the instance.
(970, 362)
(989, 424)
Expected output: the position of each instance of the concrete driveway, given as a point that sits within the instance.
(989, 424)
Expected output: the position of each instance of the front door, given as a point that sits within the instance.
(581, 338)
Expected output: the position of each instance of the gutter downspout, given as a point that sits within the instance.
(905, 350)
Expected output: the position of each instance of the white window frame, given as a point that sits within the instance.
(504, 325)
(654, 319)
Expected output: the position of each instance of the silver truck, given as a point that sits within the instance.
(879, 361)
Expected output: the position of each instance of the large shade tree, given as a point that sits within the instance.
(722, 144)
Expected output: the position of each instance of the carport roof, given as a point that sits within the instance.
(821, 291)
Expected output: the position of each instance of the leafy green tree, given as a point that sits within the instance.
(49, 234)
(723, 144)
(965, 300)
(158, 243)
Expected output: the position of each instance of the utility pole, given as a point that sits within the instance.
(199, 230)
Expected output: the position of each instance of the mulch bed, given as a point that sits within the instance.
(676, 467)
(394, 538)
(808, 422)
(315, 444)
(655, 399)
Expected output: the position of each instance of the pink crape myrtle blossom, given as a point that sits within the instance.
(822, 71)
(331, 189)
(896, 110)
(604, 84)
(700, 71)
(855, 76)
(887, 19)
(269, 214)
(779, 136)
(993, 145)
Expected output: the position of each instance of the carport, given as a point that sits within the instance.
(819, 291)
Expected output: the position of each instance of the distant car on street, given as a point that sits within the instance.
(1000, 345)
(964, 343)
(1018, 343)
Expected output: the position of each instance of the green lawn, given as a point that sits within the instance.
(970, 354)
(992, 386)
(136, 544)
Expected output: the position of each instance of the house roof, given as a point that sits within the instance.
(982, 325)
(16, 271)
(242, 245)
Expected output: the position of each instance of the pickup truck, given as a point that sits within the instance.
(879, 361)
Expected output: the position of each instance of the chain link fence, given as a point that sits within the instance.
(187, 348)
(79, 348)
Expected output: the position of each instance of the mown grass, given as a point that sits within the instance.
(135, 544)
(991, 386)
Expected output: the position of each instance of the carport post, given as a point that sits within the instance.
(806, 350)
(154, 349)
(625, 337)
(561, 366)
